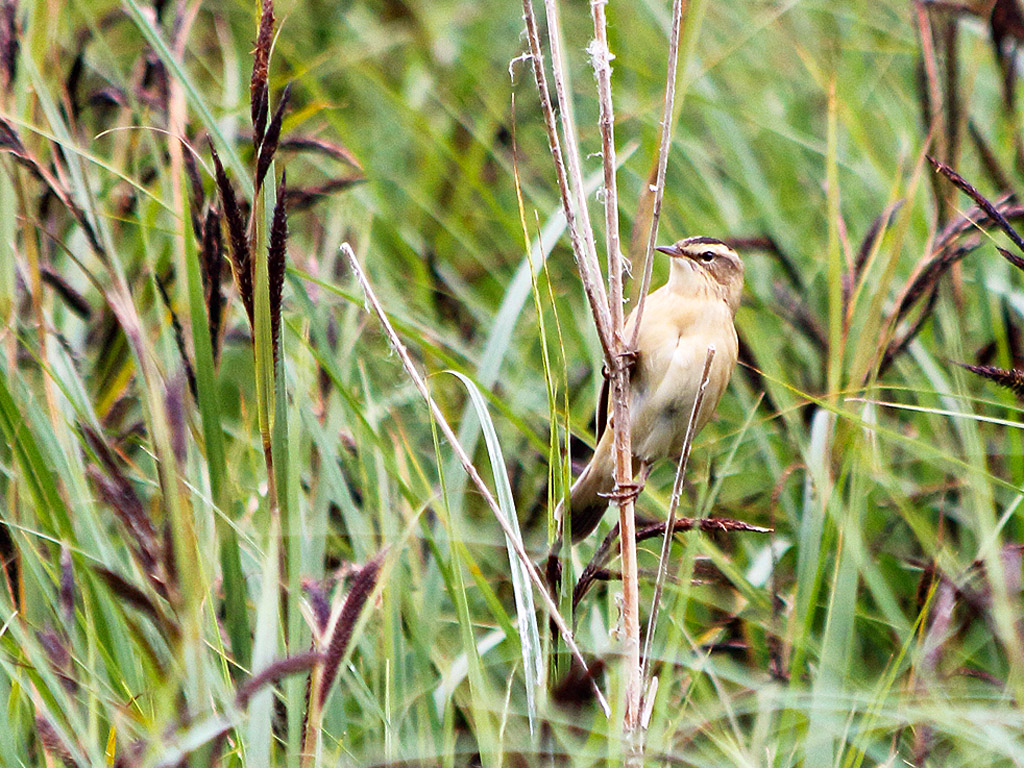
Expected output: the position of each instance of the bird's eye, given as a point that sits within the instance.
(707, 257)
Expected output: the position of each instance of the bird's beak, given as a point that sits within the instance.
(671, 250)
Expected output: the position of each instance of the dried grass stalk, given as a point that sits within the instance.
(467, 465)
(241, 256)
(982, 202)
(292, 665)
(1012, 379)
(179, 339)
(259, 91)
(601, 58)
(269, 146)
(276, 260)
(212, 256)
(340, 633)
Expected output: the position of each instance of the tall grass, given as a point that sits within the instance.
(178, 560)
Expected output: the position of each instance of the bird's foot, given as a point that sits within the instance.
(624, 492)
(626, 359)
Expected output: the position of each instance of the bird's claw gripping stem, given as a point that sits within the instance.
(626, 358)
(624, 492)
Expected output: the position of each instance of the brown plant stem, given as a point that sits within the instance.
(592, 285)
(659, 184)
(595, 570)
(622, 440)
(587, 258)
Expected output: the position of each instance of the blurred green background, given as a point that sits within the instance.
(877, 624)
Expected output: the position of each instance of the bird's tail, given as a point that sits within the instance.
(586, 502)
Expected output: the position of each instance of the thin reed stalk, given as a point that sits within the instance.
(601, 58)
(589, 273)
(667, 116)
(677, 491)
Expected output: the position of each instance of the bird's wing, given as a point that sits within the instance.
(602, 398)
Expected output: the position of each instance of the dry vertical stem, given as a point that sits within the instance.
(555, 146)
(659, 183)
(587, 259)
(608, 315)
(622, 443)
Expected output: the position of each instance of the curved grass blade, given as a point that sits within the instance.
(526, 614)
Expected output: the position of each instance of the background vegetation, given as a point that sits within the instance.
(151, 568)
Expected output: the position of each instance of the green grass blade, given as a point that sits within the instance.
(526, 612)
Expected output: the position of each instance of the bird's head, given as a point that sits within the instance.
(710, 259)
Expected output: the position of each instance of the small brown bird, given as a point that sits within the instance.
(694, 309)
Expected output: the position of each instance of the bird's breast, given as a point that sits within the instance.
(672, 347)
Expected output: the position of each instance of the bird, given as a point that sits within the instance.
(695, 308)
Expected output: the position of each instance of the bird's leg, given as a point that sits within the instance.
(629, 491)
